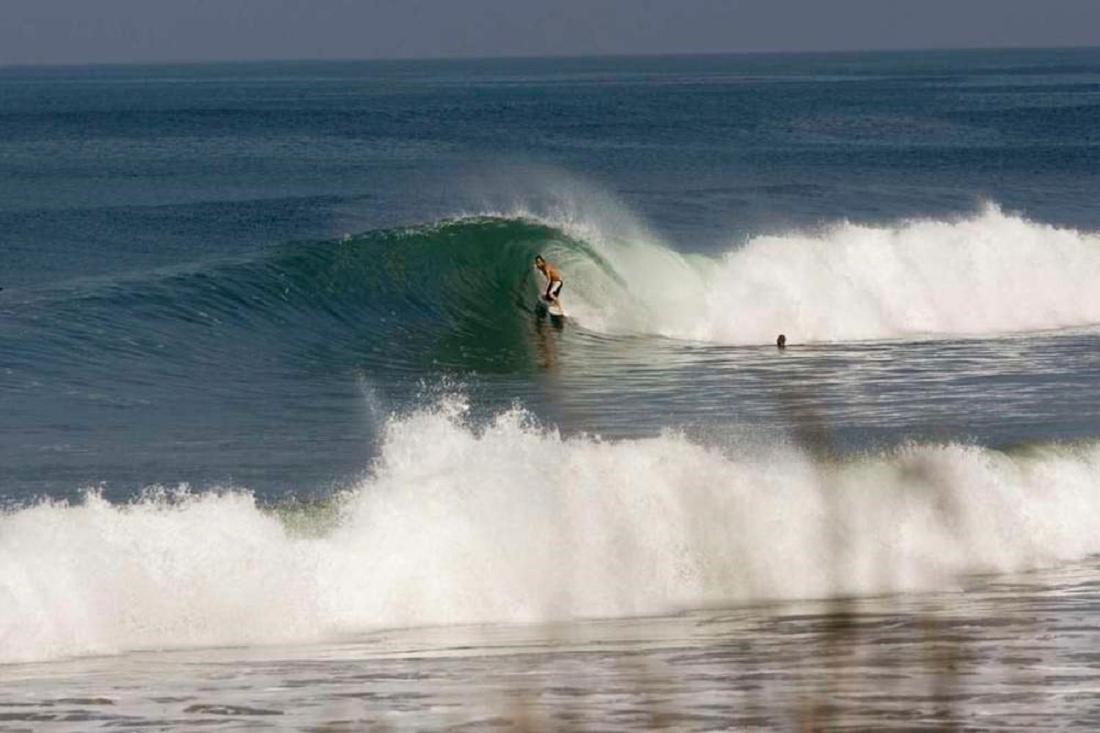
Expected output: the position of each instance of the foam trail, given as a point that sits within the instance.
(514, 523)
(992, 273)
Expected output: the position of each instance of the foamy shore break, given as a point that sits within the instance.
(457, 523)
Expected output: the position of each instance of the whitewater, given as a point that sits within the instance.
(469, 281)
(285, 442)
(508, 519)
(510, 522)
(988, 274)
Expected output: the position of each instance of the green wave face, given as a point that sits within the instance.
(458, 294)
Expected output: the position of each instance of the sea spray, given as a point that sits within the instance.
(988, 274)
(510, 521)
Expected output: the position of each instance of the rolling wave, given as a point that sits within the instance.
(458, 293)
(461, 293)
(511, 522)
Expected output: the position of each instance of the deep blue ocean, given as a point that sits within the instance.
(270, 338)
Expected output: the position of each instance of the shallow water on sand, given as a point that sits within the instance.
(1007, 652)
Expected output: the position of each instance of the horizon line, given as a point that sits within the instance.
(535, 57)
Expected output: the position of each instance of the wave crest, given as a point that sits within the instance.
(460, 294)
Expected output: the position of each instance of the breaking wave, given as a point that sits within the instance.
(512, 522)
(462, 293)
(990, 274)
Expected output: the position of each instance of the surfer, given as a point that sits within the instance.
(553, 280)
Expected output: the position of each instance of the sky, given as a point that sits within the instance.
(142, 31)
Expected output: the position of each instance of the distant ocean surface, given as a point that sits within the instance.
(272, 371)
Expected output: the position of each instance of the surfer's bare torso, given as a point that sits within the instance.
(554, 281)
(552, 274)
(552, 292)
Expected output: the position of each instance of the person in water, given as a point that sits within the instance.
(553, 280)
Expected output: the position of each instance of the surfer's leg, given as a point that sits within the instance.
(559, 310)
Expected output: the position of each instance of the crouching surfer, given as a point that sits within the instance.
(553, 285)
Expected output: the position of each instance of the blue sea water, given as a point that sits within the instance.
(269, 338)
(199, 260)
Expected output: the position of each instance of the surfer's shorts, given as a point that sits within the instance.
(555, 288)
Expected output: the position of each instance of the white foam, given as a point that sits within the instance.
(991, 273)
(513, 523)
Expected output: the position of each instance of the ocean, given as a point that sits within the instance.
(286, 441)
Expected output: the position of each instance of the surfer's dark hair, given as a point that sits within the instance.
(540, 257)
